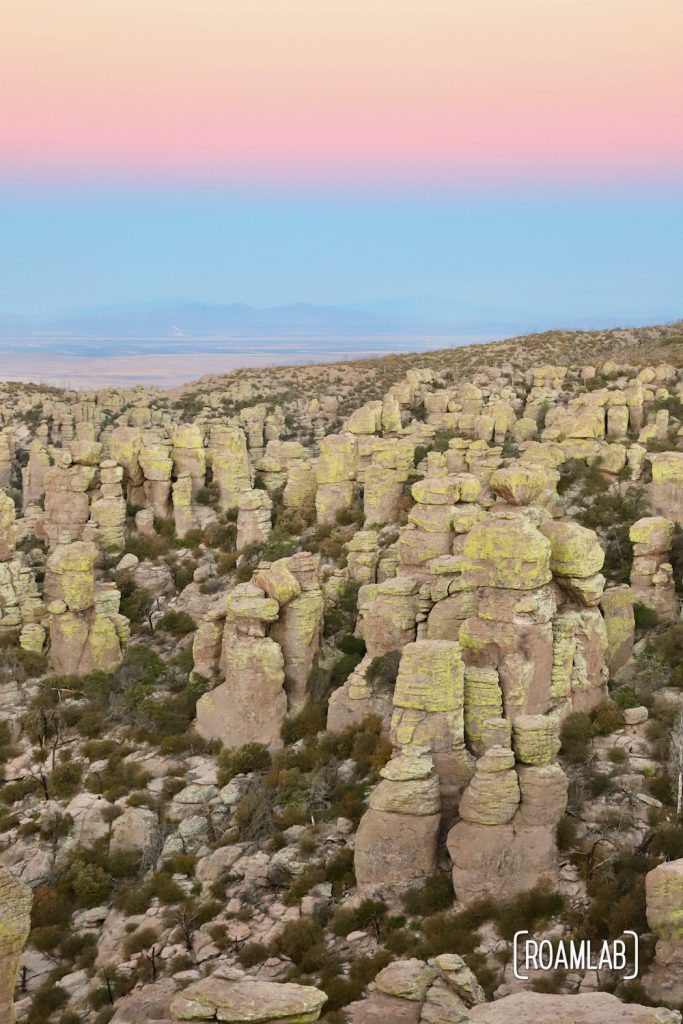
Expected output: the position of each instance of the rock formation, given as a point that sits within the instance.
(15, 922)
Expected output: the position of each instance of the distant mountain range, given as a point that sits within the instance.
(180, 322)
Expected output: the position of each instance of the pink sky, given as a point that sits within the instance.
(321, 90)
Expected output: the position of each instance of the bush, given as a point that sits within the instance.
(306, 724)
(667, 841)
(645, 617)
(606, 718)
(176, 623)
(435, 893)
(576, 733)
(64, 781)
(303, 942)
(252, 954)
(370, 913)
(529, 910)
(565, 833)
(91, 885)
(252, 757)
(383, 670)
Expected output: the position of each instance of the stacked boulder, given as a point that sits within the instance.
(157, 468)
(67, 503)
(652, 582)
(229, 460)
(579, 672)
(335, 475)
(396, 841)
(106, 526)
(664, 901)
(189, 455)
(86, 630)
(21, 608)
(295, 583)
(254, 518)
(440, 991)
(505, 841)
(251, 704)
(666, 490)
(234, 998)
(429, 533)
(428, 712)
(508, 562)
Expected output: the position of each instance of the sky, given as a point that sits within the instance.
(524, 153)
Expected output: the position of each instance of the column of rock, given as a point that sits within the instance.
(335, 474)
(664, 900)
(33, 474)
(5, 459)
(616, 606)
(184, 515)
(67, 504)
(301, 486)
(15, 924)
(82, 638)
(251, 704)
(429, 532)
(124, 445)
(652, 581)
(108, 510)
(429, 712)
(230, 463)
(383, 483)
(579, 672)
(505, 841)
(295, 583)
(386, 622)
(189, 456)
(157, 468)
(253, 419)
(508, 561)
(451, 589)
(254, 518)
(397, 838)
(362, 557)
(21, 608)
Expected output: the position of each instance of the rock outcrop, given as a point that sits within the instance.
(15, 923)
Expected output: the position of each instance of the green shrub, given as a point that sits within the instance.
(65, 778)
(306, 724)
(667, 841)
(252, 757)
(370, 913)
(91, 885)
(252, 954)
(303, 942)
(565, 833)
(383, 670)
(176, 623)
(576, 733)
(645, 617)
(435, 894)
(606, 718)
(529, 910)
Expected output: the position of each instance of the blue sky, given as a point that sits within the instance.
(567, 254)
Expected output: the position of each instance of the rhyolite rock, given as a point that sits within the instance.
(248, 1000)
(588, 1008)
(15, 922)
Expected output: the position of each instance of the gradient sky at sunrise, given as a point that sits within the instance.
(128, 127)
